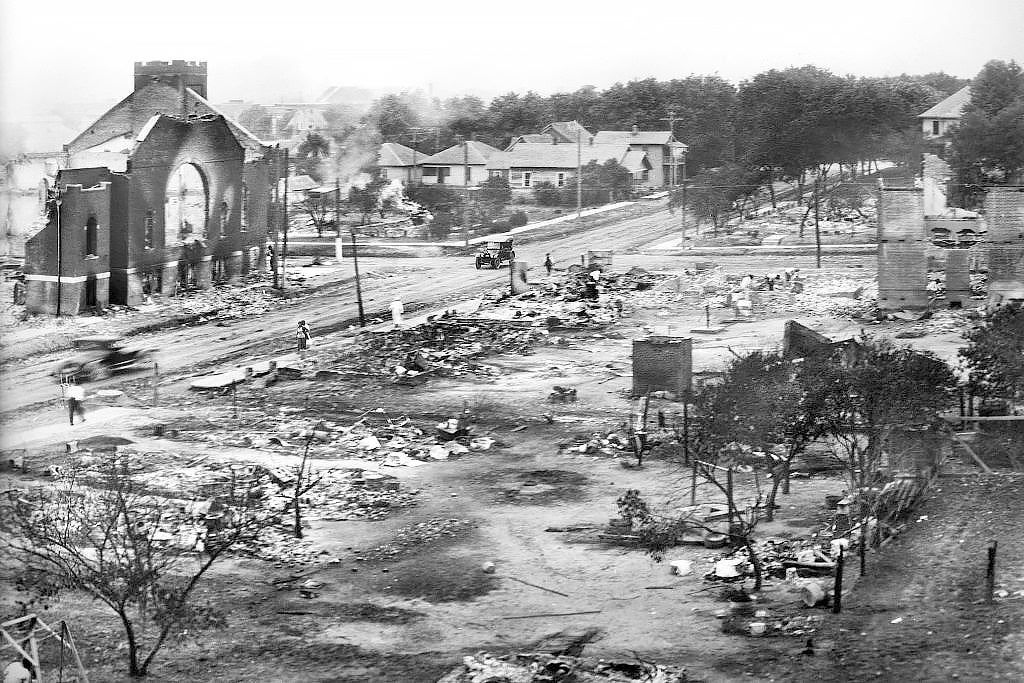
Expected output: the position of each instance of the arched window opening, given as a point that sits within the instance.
(245, 209)
(186, 208)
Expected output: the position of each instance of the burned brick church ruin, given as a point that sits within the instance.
(161, 192)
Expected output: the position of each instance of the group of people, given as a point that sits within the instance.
(790, 278)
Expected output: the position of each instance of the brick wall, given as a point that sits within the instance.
(1004, 216)
(958, 276)
(79, 272)
(902, 249)
(662, 364)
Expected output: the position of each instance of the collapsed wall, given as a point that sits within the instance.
(1004, 214)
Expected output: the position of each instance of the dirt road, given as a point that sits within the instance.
(419, 283)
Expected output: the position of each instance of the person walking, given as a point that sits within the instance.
(75, 396)
(548, 264)
(302, 337)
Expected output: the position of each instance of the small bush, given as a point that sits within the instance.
(518, 219)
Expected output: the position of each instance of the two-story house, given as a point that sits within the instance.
(665, 153)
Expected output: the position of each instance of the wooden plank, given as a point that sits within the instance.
(973, 455)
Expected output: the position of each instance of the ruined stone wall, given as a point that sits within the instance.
(902, 249)
(1004, 215)
(662, 364)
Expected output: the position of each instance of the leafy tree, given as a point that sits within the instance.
(886, 387)
(987, 146)
(366, 199)
(602, 183)
(318, 209)
(493, 196)
(512, 114)
(100, 532)
(994, 354)
(436, 198)
(762, 402)
(546, 194)
(395, 114)
(310, 156)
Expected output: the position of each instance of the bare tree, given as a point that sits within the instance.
(306, 479)
(100, 532)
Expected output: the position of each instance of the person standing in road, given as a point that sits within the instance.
(548, 264)
(302, 337)
(75, 396)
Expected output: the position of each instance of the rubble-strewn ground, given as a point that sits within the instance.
(389, 582)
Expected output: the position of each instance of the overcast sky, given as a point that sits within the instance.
(57, 51)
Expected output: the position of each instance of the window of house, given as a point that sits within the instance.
(245, 208)
(442, 173)
(430, 171)
(561, 180)
(935, 127)
(467, 175)
(91, 236)
(383, 174)
(147, 234)
(646, 175)
(527, 177)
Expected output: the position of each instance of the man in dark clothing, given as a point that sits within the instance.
(548, 263)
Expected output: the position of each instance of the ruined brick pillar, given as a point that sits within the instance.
(1004, 216)
(204, 273)
(169, 279)
(902, 249)
(234, 267)
(662, 364)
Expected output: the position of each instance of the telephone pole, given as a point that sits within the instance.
(673, 167)
(284, 216)
(579, 171)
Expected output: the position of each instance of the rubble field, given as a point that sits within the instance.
(465, 525)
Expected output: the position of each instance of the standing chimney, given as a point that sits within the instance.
(636, 129)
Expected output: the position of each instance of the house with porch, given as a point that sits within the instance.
(556, 163)
(398, 162)
(666, 155)
(463, 165)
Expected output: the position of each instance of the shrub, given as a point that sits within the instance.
(518, 219)
(546, 194)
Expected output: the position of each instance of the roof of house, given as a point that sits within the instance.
(566, 131)
(394, 154)
(951, 107)
(642, 137)
(564, 155)
(475, 154)
(529, 137)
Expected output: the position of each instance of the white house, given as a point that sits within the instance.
(937, 121)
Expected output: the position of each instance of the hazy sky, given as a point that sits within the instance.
(57, 51)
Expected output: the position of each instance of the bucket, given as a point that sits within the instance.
(812, 594)
(757, 628)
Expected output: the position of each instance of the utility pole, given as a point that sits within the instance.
(579, 171)
(284, 215)
(673, 170)
(465, 163)
(337, 207)
(277, 210)
(682, 211)
(359, 289)
(60, 252)
(817, 231)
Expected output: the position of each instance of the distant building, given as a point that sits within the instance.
(398, 162)
(532, 163)
(665, 153)
(161, 191)
(463, 165)
(936, 122)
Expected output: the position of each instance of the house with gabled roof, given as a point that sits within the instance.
(396, 161)
(666, 154)
(936, 122)
(464, 165)
(556, 163)
(554, 133)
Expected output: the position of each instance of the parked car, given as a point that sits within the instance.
(495, 254)
(99, 357)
